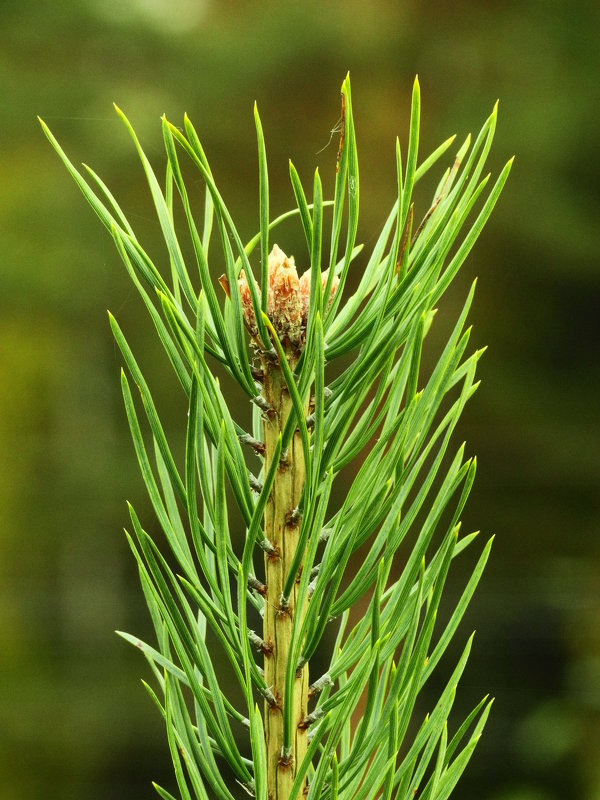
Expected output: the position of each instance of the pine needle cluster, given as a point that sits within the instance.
(297, 732)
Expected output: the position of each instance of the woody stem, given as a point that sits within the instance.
(282, 530)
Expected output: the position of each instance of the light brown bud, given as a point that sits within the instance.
(288, 298)
(247, 309)
(305, 290)
(283, 300)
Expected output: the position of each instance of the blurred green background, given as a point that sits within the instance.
(74, 719)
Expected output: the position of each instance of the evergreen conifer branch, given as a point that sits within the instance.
(275, 334)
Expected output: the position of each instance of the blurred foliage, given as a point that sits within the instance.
(74, 720)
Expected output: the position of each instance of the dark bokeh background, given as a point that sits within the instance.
(74, 720)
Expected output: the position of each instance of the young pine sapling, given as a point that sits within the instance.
(277, 334)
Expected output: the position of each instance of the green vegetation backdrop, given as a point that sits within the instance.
(74, 719)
